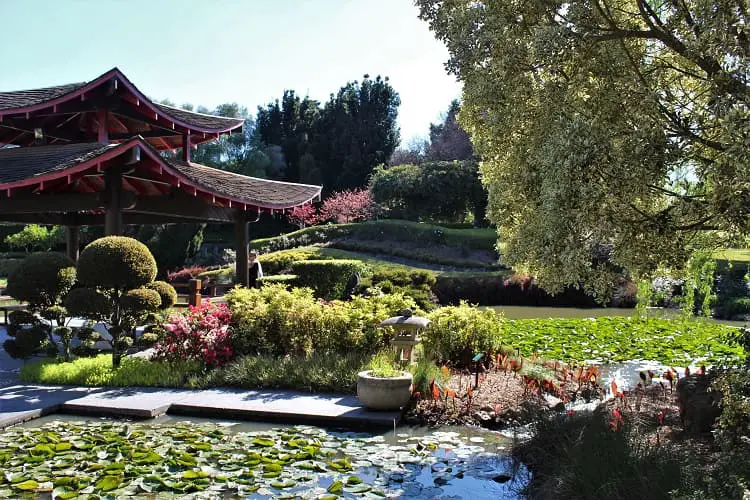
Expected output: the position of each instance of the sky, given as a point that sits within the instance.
(207, 52)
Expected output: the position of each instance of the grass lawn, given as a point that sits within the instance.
(733, 254)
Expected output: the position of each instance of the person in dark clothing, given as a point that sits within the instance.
(256, 271)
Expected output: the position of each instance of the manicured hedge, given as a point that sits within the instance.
(288, 280)
(279, 262)
(328, 278)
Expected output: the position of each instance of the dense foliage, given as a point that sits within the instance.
(172, 244)
(457, 333)
(274, 320)
(36, 238)
(617, 122)
(337, 144)
(439, 191)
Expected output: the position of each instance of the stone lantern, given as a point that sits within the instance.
(408, 328)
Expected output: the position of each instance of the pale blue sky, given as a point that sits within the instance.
(249, 51)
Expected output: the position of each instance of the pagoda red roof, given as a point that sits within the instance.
(57, 168)
(66, 112)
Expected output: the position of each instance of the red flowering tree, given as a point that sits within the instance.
(303, 216)
(356, 205)
(202, 334)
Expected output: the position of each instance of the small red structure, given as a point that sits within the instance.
(92, 153)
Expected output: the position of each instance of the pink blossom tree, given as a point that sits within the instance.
(356, 205)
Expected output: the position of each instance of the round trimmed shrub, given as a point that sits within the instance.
(87, 303)
(166, 292)
(141, 300)
(41, 279)
(116, 262)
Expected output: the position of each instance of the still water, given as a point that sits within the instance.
(258, 460)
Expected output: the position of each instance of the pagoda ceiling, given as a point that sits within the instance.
(74, 113)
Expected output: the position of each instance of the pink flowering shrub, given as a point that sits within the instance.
(202, 334)
(356, 205)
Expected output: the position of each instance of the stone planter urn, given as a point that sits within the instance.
(378, 393)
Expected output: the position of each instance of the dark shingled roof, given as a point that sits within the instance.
(200, 119)
(23, 98)
(251, 190)
(17, 164)
(26, 163)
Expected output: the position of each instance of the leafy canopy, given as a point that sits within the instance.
(616, 124)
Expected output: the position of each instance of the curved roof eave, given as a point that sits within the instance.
(231, 123)
(183, 180)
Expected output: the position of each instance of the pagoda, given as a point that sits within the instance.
(92, 153)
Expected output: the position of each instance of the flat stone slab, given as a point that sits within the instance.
(281, 405)
(126, 402)
(19, 403)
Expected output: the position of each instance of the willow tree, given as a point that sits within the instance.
(615, 125)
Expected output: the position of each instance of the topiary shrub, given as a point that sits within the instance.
(116, 272)
(167, 293)
(327, 278)
(42, 280)
(116, 262)
(140, 299)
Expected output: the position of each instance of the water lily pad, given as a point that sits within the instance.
(28, 485)
(336, 487)
(109, 483)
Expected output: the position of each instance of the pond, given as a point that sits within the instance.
(69, 456)
(533, 312)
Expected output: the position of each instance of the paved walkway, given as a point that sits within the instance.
(19, 403)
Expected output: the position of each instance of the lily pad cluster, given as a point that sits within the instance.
(99, 459)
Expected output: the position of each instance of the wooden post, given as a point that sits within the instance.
(242, 243)
(186, 146)
(102, 126)
(194, 293)
(72, 241)
(113, 207)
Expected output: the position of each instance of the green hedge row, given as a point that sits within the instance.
(329, 278)
(276, 321)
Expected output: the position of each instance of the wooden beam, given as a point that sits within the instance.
(180, 205)
(57, 203)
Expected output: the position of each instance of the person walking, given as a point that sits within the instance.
(255, 270)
